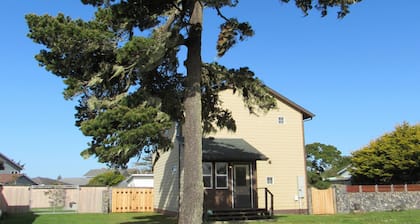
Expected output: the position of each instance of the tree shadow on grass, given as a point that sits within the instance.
(18, 218)
(152, 219)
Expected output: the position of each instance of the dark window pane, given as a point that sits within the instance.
(221, 181)
(221, 168)
(207, 181)
(240, 178)
(269, 180)
(206, 168)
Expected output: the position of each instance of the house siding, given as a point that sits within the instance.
(283, 144)
(9, 168)
(166, 178)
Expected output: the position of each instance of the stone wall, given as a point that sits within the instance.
(347, 202)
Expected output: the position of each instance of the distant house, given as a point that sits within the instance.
(343, 176)
(8, 166)
(10, 173)
(138, 180)
(95, 172)
(48, 181)
(79, 181)
(16, 180)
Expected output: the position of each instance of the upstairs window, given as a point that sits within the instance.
(281, 120)
(270, 180)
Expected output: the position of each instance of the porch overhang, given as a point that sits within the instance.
(230, 149)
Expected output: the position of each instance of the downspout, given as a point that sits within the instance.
(178, 137)
(231, 180)
(305, 165)
(179, 176)
(252, 184)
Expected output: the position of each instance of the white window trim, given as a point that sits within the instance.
(222, 175)
(209, 175)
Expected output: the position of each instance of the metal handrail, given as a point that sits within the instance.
(266, 194)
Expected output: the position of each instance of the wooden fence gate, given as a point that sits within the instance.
(323, 201)
(132, 200)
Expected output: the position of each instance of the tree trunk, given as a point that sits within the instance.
(191, 207)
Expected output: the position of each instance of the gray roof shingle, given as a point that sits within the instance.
(230, 149)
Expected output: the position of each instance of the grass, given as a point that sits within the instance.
(404, 217)
(51, 210)
(114, 218)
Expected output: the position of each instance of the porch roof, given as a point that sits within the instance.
(230, 149)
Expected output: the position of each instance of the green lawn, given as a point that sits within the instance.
(404, 217)
(114, 218)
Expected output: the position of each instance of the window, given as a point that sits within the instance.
(270, 180)
(221, 175)
(281, 120)
(207, 177)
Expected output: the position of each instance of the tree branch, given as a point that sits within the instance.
(219, 13)
(176, 7)
(169, 22)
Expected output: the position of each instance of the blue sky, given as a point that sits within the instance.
(359, 75)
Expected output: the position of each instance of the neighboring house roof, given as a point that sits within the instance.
(132, 177)
(230, 149)
(306, 114)
(48, 181)
(129, 171)
(143, 175)
(342, 175)
(76, 180)
(95, 172)
(11, 162)
(16, 179)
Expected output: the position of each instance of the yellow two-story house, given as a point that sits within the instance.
(266, 153)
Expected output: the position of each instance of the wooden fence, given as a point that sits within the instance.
(132, 200)
(322, 201)
(14, 199)
(20, 199)
(60, 198)
(64, 197)
(93, 200)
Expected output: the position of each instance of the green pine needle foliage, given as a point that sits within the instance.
(122, 68)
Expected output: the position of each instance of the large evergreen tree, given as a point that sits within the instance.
(122, 67)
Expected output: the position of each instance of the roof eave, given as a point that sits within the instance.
(11, 162)
(306, 114)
